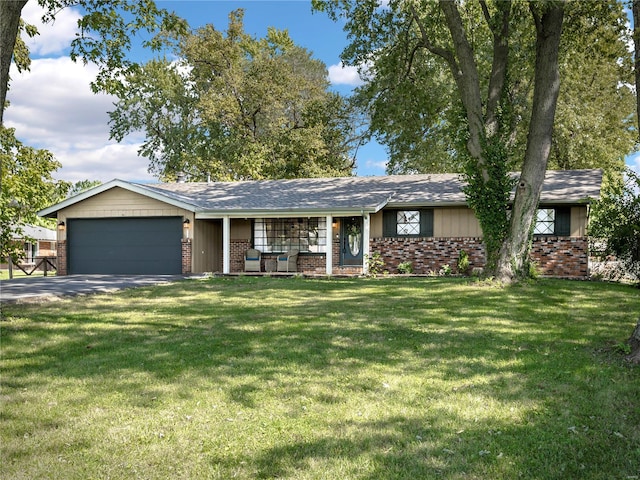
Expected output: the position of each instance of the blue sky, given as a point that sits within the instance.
(52, 106)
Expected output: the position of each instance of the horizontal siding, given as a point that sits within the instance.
(119, 202)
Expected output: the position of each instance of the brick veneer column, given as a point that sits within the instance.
(238, 247)
(186, 256)
(62, 258)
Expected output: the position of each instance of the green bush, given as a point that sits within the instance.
(405, 267)
(463, 262)
(375, 264)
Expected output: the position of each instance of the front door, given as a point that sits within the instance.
(351, 241)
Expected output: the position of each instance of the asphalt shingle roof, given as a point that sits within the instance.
(352, 193)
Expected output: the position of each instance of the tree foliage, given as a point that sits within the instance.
(82, 185)
(26, 186)
(462, 50)
(107, 28)
(616, 220)
(237, 107)
(416, 108)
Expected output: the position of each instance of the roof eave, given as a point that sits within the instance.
(52, 211)
(281, 213)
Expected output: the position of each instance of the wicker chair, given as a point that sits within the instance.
(288, 262)
(252, 259)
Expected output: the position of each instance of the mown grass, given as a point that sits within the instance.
(382, 378)
(17, 273)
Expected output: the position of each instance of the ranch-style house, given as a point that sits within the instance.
(327, 225)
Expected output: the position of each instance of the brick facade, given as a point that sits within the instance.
(427, 254)
(187, 248)
(554, 256)
(62, 258)
(561, 256)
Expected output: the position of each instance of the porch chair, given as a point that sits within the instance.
(252, 259)
(288, 262)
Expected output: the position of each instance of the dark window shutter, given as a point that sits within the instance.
(389, 223)
(426, 223)
(563, 222)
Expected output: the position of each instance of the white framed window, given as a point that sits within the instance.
(408, 222)
(275, 235)
(545, 222)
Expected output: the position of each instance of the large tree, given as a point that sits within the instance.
(416, 112)
(26, 186)
(236, 107)
(401, 31)
(106, 29)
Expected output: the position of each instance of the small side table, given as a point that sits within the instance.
(270, 265)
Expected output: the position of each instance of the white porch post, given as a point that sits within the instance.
(226, 244)
(366, 232)
(329, 221)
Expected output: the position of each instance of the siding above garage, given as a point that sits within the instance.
(119, 202)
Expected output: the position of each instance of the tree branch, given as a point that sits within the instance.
(499, 64)
(467, 81)
(443, 53)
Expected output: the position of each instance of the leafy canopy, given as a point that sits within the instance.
(236, 107)
(616, 220)
(415, 107)
(27, 186)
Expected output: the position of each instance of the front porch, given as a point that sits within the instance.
(328, 245)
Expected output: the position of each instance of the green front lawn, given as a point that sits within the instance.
(388, 378)
(17, 273)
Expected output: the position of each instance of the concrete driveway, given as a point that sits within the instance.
(47, 288)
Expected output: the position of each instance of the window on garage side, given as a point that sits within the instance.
(408, 223)
(553, 221)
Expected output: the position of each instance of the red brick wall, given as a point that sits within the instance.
(555, 256)
(62, 257)
(561, 256)
(427, 254)
(238, 247)
(186, 256)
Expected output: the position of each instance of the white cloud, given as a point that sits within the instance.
(52, 107)
(633, 162)
(341, 74)
(372, 167)
(104, 163)
(55, 37)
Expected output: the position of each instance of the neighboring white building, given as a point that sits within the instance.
(44, 245)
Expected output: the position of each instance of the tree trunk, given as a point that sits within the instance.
(10, 12)
(514, 254)
(634, 342)
(636, 44)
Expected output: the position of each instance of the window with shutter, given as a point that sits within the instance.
(407, 223)
(553, 221)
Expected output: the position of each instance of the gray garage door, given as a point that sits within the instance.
(144, 246)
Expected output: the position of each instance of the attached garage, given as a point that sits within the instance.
(133, 245)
